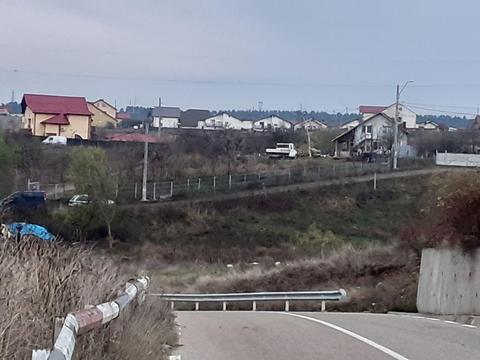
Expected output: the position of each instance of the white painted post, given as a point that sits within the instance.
(254, 306)
(172, 305)
(197, 306)
(154, 191)
(287, 306)
(136, 189)
(230, 181)
(323, 306)
(171, 188)
(199, 181)
(224, 307)
(214, 183)
(374, 181)
(188, 184)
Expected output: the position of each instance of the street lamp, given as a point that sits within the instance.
(395, 134)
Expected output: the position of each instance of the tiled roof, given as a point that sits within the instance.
(60, 119)
(166, 112)
(366, 109)
(50, 104)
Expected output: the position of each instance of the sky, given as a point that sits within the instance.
(233, 54)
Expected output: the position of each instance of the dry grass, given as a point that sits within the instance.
(377, 278)
(42, 280)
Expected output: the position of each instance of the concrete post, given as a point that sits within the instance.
(136, 189)
(254, 306)
(199, 181)
(224, 306)
(171, 188)
(188, 184)
(172, 305)
(214, 183)
(287, 306)
(323, 306)
(197, 306)
(374, 181)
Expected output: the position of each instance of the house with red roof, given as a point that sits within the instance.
(405, 115)
(46, 115)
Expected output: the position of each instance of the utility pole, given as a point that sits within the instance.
(309, 143)
(395, 131)
(145, 159)
(159, 117)
(395, 145)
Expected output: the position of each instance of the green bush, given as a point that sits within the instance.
(316, 241)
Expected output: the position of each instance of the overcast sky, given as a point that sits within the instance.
(224, 54)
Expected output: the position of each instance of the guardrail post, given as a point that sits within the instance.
(154, 191)
(197, 306)
(224, 306)
(230, 181)
(287, 306)
(245, 178)
(254, 306)
(135, 191)
(172, 305)
(323, 306)
(188, 184)
(116, 190)
(374, 181)
(171, 188)
(199, 181)
(214, 183)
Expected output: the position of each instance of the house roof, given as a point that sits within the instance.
(123, 116)
(274, 115)
(367, 109)
(311, 120)
(191, 117)
(166, 112)
(60, 119)
(51, 104)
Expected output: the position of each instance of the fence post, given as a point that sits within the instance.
(214, 182)
(230, 181)
(245, 178)
(171, 188)
(116, 191)
(154, 191)
(188, 184)
(374, 181)
(199, 181)
(197, 306)
(224, 307)
(136, 189)
(56, 191)
(323, 306)
(287, 306)
(254, 306)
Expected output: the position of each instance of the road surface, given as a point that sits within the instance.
(313, 336)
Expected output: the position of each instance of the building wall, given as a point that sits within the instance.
(452, 159)
(272, 123)
(79, 125)
(226, 121)
(312, 125)
(105, 107)
(407, 116)
(449, 282)
(167, 122)
(101, 119)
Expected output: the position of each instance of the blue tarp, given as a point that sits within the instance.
(30, 230)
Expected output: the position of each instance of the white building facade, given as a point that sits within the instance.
(225, 121)
(272, 123)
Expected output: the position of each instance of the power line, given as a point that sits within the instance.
(440, 111)
(444, 106)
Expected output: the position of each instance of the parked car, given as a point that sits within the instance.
(55, 140)
(283, 150)
(82, 199)
(22, 200)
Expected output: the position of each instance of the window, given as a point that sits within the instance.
(367, 129)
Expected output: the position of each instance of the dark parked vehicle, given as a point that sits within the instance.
(22, 200)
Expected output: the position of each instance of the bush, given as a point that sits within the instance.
(315, 241)
(41, 280)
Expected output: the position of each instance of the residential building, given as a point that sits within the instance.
(100, 118)
(272, 123)
(405, 115)
(428, 125)
(225, 121)
(166, 117)
(190, 119)
(106, 107)
(310, 124)
(46, 115)
(374, 135)
(4, 110)
(350, 125)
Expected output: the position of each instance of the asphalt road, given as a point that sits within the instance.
(281, 336)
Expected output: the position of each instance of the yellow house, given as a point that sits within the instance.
(106, 107)
(100, 118)
(46, 115)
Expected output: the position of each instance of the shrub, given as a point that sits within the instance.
(41, 280)
(316, 241)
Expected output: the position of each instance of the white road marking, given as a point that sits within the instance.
(469, 326)
(433, 319)
(451, 322)
(383, 349)
(175, 357)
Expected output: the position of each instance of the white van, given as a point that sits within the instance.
(55, 140)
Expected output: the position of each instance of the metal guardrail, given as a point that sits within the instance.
(81, 322)
(323, 296)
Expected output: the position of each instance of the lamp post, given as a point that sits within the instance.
(395, 133)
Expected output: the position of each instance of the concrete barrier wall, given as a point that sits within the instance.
(449, 282)
(451, 159)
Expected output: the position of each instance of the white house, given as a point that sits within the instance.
(405, 115)
(166, 117)
(272, 123)
(310, 124)
(225, 121)
(428, 125)
(374, 135)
